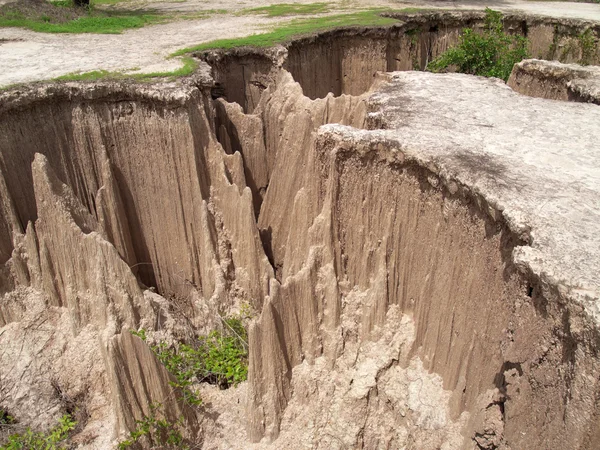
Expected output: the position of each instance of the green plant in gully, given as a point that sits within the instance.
(221, 357)
(492, 53)
(55, 439)
(156, 427)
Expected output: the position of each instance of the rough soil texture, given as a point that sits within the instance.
(67, 322)
(28, 56)
(375, 393)
(81, 273)
(410, 180)
(551, 79)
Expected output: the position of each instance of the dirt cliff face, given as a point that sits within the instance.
(415, 284)
(121, 190)
(377, 232)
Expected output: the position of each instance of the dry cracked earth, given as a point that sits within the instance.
(416, 256)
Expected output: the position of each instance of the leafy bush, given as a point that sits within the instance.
(52, 440)
(162, 430)
(220, 358)
(492, 53)
(225, 354)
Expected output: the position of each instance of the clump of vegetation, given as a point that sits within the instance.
(156, 427)
(289, 9)
(219, 358)
(492, 53)
(55, 439)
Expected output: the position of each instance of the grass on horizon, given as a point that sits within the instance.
(370, 17)
(289, 9)
(107, 2)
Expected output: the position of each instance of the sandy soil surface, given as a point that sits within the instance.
(29, 56)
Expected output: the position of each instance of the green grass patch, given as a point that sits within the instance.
(95, 22)
(289, 9)
(62, 3)
(8, 87)
(221, 358)
(189, 66)
(107, 2)
(297, 27)
(61, 16)
(94, 75)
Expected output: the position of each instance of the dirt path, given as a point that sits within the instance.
(29, 56)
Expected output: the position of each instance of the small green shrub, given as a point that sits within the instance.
(492, 53)
(225, 354)
(220, 358)
(156, 427)
(52, 440)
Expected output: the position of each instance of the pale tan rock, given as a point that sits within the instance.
(290, 120)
